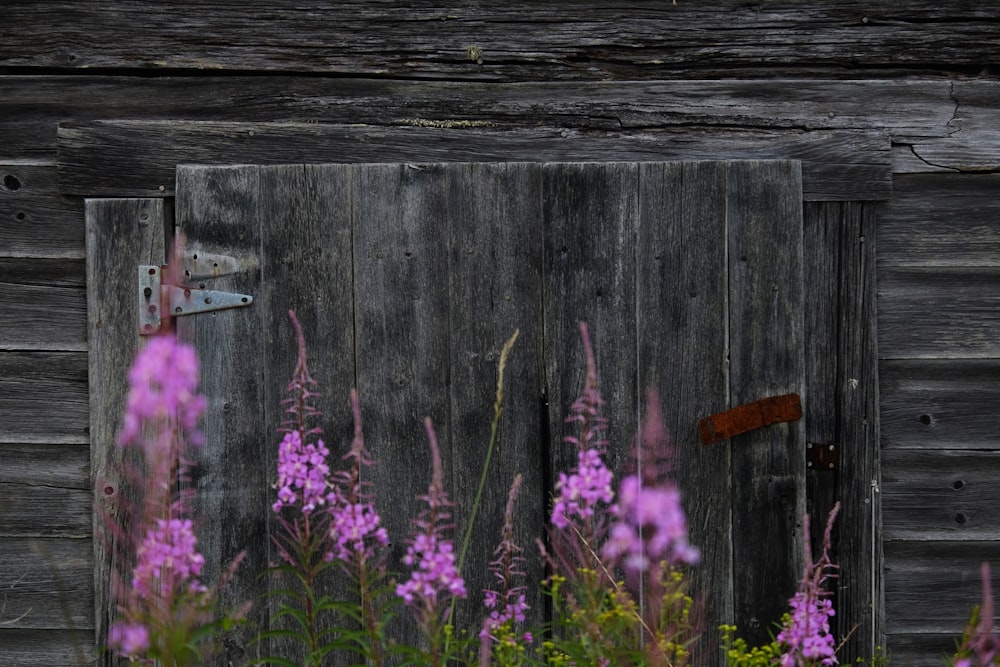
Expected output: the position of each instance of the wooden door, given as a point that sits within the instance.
(408, 279)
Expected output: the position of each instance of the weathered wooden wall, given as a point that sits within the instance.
(104, 98)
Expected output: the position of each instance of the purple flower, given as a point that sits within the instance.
(579, 491)
(303, 474)
(167, 560)
(435, 577)
(651, 527)
(508, 605)
(980, 646)
(350, 525)
(129, 639)
(807, 634)
(590, 481)
(163, 383)
(353, 516)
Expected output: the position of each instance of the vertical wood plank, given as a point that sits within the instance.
(766, 336)
(121, 235)
(402, 321)
(822, 229)
(494, 222)
(681, 321)
(842, 388)
(218, 211)
(860, 589)
(590, 217)
(307, 266)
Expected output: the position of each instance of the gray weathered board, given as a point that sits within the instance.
(422, 339)
(517, 40)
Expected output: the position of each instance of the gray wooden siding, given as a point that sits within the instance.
(46, 550)
(939, 344)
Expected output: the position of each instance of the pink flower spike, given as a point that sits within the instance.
(129, 639)
(303, 474)
(163, 385)
(168, 560)
(435, 577)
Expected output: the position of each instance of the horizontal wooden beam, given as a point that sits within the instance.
(536, 40)
(138, 158)
(912, 109)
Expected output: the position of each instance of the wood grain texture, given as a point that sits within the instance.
(43, 304)
(493, 218)
(35, 220)
(943, 220)
(45, 491)
(44, 648)
(940, 403)
(766, 325)
(402, 322)
(137, 158)
(842, 406)
(940, 494)
(938, 312)
(681, 295)
(908, 109)
(218, 212)
(921, 649)
(931, 587)
(859, 583)
(590, 220)
(970, 146)
(43, 397)
(48, 583)
(519, 40)
(121, 235)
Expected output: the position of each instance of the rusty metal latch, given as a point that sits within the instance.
(157, 304)
(750, 416)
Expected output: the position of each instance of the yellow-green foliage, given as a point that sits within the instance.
(738, 654)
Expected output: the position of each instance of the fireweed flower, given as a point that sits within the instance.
(350, 525)
(129, 639)
(355, 526)
(303, 474)
(163, 385)
(435, 578)
(578, 492)
(509, 604)
(980, 646)
(651, 527)
(168, 561)
(807, 636)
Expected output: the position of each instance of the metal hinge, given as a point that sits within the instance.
(157, 303)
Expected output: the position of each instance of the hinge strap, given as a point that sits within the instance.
(157, 302)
